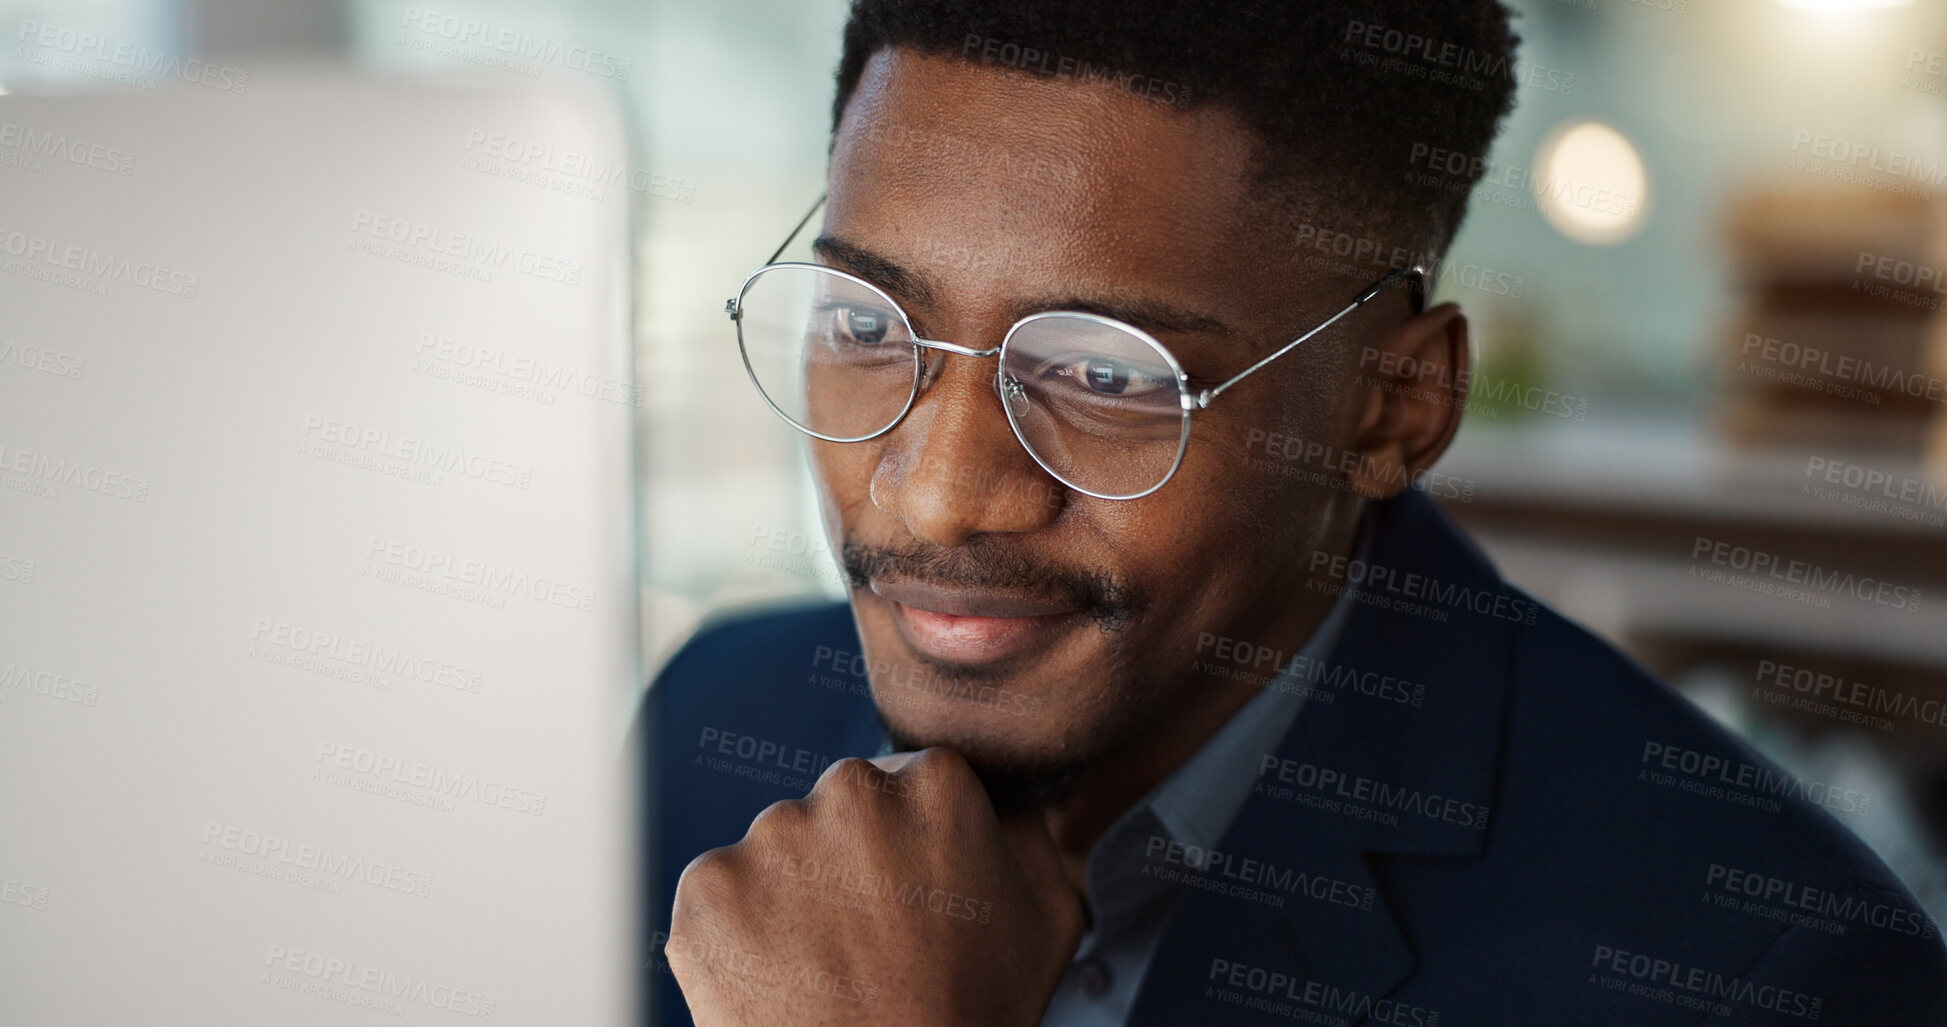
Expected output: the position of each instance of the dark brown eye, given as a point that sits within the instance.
(866, 326)
(1104, 376)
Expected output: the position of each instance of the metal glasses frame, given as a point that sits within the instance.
(1190, 399)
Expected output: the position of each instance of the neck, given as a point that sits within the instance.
(1193, 709)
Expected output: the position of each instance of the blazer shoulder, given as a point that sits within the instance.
(763, 664)
(742, 648)
(1640, 751)
(1889, 966)
(759, 635)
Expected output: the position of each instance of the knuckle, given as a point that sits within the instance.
(707, 876)
(706, 895)
(942, 783)
(781, 817)
(849, 774)
(940, 767)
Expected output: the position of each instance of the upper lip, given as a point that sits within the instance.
(960, 601)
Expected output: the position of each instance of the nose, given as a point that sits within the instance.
(953, 468)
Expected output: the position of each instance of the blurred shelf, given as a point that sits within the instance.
(1601, 520)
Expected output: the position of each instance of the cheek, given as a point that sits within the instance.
(1260, 480)
(841, 477)
(843, 474)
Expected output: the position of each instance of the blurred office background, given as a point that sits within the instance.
(1725, 331)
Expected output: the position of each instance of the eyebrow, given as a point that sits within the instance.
(881, 271)
(1152, 316)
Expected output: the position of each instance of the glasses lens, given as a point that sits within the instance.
(833, 355)
(1097, 405)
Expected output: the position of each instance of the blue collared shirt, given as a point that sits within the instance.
(1193, 807)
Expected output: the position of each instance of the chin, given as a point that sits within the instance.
(973, 718)
(1022, 774)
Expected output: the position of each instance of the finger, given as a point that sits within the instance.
(1034, 849)
(892, 761)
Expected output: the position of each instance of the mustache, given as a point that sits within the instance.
(1110, 600)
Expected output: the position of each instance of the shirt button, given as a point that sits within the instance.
(1093, 975)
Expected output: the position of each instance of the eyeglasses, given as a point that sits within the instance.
(1099, 404)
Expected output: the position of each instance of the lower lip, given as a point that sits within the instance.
(953, 639)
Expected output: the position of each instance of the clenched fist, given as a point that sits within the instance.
(891, 894)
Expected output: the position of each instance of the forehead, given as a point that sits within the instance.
(951, 166)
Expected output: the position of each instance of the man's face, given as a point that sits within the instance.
(1004, 615)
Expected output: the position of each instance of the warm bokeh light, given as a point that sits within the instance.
(1591, 185)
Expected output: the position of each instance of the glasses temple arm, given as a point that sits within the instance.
(803, 221)
(1419, 301)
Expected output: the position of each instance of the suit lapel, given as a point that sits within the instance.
(1355, 781)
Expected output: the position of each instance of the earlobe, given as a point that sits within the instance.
(1413, 387)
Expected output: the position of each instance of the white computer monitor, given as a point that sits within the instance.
(318, 605)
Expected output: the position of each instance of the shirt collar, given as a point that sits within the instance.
(1199, 799)
(1195, 804)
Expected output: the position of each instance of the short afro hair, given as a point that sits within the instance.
(1338, 92)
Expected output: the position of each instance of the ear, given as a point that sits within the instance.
(1413, 388)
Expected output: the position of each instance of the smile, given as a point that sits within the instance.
(962, 625)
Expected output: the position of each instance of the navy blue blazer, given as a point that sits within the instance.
(1548, 836)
